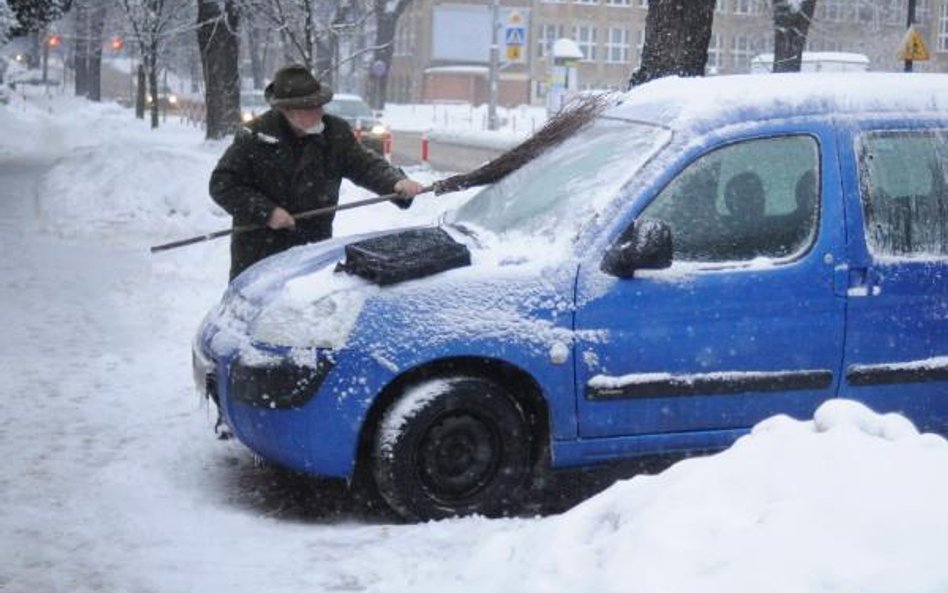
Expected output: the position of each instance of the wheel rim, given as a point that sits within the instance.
(459, 456)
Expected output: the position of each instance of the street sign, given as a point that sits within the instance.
(515, 36)
(913, 47)
(513, 53)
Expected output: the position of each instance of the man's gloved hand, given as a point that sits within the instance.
(409, 187)
(281, 219)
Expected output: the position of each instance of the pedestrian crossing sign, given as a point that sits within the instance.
(515, 36)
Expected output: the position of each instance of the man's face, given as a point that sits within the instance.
(304, 119)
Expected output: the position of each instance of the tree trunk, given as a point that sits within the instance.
(218, 38)
(153, 84)
(255, 53)
(677, 34)
(140, 93)
(790, 29)
(81, 48)
(384, 49)
(94, 61)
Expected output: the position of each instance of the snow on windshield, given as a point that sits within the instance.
(554, 196)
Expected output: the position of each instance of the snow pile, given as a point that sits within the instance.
(850, 501)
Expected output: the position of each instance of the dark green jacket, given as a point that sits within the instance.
(268, 166)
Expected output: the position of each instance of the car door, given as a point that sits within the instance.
(745, 323)
(896, 356)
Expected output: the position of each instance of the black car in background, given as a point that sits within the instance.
(367, 127)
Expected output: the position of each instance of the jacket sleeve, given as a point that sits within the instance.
(231, 185)
(369, 170)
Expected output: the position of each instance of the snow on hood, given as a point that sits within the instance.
(849, 501)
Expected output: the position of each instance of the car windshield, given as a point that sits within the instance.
(557, 194)
(349, 108)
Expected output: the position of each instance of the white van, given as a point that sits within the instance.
(816, 61)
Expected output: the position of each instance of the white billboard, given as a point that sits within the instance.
(461, 33)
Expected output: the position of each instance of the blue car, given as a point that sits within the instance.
(703, 255)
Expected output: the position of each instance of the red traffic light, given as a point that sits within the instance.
(116, 44)
(54, 40)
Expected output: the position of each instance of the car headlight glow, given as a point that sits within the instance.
(378, 129)
(246, 116)
(173, 99)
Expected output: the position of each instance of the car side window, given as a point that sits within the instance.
(756, 198)
(904, 192)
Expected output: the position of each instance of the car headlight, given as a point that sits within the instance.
(323, 323)
(246, 116)
(378, 130)
(173, 99)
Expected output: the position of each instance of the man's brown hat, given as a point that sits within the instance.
(294, 87)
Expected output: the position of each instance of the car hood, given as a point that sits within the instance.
(297, 299)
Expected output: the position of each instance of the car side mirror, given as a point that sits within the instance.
(645, 246)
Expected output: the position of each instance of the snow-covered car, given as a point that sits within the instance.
(368, 128)
(703, 255)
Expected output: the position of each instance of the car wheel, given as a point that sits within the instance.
(455, 446)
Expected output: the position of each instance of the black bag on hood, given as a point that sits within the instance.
(405, 255)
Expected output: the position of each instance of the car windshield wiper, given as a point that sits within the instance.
(463, 229)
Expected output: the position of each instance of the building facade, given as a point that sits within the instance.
(611, 35)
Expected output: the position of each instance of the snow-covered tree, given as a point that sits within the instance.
(154, 23)
(8, 21)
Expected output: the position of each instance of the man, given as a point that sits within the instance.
(292, 159)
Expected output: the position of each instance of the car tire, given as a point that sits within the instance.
(453, 447)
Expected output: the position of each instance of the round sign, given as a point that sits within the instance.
(378, 68)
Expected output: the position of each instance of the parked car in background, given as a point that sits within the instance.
(167, 101)
(252, 105)
(367, 127)
(706, 254)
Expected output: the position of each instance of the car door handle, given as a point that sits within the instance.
(855, 281)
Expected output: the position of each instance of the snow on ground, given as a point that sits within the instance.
(112, 480)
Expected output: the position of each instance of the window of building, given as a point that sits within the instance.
(643, 3)
(942, 45)
(746, 6)
(585, 37)
(618, 3)
(720, 6)
(548, 34)
(405, 38)
(586, 1)
(715, 53)
(742, 50)
(758, 198)
(640, 44)
(833, 10)
(905, 192)
(923, 11)
(617, 45)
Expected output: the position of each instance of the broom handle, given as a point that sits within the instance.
(306, 214)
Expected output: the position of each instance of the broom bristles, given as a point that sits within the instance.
(560, 127)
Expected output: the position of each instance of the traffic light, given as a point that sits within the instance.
(54, 40)
(116, 44)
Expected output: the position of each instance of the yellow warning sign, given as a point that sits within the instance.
(513, 52)
(913, 47)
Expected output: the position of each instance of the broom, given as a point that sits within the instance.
(557, 129)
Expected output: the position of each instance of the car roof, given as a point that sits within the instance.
(702, 104)
(346, 97)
